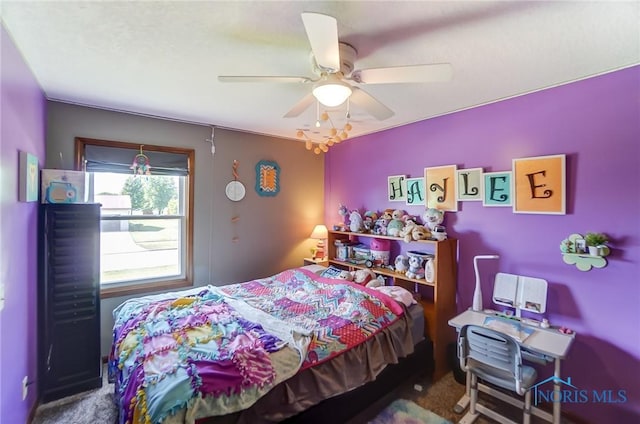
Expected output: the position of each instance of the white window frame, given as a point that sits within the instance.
(186, 217)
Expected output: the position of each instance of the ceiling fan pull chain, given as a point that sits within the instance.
(317, 114)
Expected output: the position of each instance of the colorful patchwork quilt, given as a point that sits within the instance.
(225, 347)
(339, 314)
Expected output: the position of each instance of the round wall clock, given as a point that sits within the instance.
(235, 191)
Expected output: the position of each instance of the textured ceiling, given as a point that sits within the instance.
(163, 58)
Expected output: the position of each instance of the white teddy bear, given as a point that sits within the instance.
(433, 217)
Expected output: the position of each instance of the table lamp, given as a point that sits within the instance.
(319, 233)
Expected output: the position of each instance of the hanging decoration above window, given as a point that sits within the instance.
(141, 164)
(267, 178)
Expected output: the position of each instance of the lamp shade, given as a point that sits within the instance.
(319, 232)
(331, 91)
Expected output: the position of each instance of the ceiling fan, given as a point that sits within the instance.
(333, 62)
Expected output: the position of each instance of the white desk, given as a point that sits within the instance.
(544, 344)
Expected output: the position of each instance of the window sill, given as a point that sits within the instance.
(143, 288)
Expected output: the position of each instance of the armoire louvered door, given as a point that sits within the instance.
(69, 300)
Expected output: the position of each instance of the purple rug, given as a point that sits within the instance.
(402, 411)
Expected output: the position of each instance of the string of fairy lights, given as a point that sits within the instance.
(335, 135)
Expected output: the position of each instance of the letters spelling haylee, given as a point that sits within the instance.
(414, 192)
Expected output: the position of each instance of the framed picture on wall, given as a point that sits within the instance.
(469, 184)
(28, 177)
(497, 188)
(267, 178)
(414, 191)
(540, 185)
(440, 187)
(396, 187)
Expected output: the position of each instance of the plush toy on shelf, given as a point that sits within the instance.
(356, 224)
(369, 220)
(395, 225)
(409, 225)
(401, 264)
(343, 212)
(416, 270)
(433, 217)
(387, 214)
(380, 227)
(419, 232)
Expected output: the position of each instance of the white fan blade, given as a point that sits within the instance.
(259, 78)
(404, 74)
(367, 102)
(301, 106)
(322, 31)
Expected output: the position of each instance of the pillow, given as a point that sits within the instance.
(316, 269)
(397, 293)
(331, 272)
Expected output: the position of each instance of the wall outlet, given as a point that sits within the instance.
(25, 387)
(1, 296)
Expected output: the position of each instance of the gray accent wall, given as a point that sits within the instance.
(273, 232)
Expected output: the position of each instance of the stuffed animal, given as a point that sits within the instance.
(420, 232)
(401, 263)
(376, 282)
(356, 224)
(416, 270)
(395, 225)
(406, 218)
(406, 231)
(363, 276)
(370, 217)
(387, 214)
(432, 217)
(345, 275)
(343, 212)
(380, 227)
(399, 294)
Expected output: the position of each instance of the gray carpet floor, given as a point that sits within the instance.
(92, 407)
(97, 407)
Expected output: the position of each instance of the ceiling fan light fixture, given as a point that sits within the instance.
(332, 92)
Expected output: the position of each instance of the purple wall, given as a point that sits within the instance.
(23, 128)
(596, 123)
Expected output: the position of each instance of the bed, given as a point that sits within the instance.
(294, 347)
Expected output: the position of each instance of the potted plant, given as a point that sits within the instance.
(596, 242)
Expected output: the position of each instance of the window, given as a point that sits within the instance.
(146, 228)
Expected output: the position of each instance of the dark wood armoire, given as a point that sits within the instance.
(69, 358)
